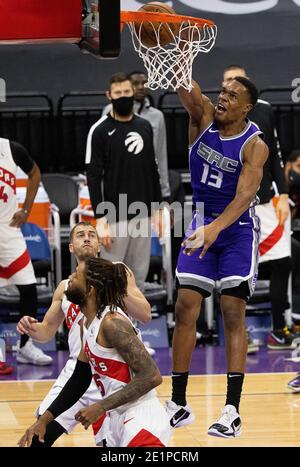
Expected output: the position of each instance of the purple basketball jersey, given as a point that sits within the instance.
(215, 165)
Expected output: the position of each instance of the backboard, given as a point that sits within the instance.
(71, 21)
(32, 21)
(101, 28)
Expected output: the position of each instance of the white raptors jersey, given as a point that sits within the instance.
(111, 373)
(73, 317)
(8, 170)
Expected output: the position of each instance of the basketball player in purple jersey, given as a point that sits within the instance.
(226, 157)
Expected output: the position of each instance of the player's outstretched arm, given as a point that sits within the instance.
(192, 101)
(199, 108)
(45, 331)
(136, 304)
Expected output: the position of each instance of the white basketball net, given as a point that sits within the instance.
(170, 66)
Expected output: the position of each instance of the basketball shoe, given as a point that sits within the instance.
(281, 339)
(229, 424)
(179, 415)
(252, 346)
(29, 353)
(149, 349)
(295, 331)
(294, 384)
(5, 369)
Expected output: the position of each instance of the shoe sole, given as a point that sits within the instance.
(294, 389)
(187, 421)
(280, 347)
(23, 360)
(217, 434)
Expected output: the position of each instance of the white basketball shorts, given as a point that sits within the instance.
(143, 424)
(15, 264)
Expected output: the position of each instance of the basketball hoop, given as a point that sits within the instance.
(170, 65)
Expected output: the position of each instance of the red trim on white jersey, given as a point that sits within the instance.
(73, 316)
(72, 313)
(107, 367)
(8, 178)
(15, 266)
(98, 424)
(145, 439)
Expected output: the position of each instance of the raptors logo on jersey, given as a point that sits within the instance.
(134, 142)
(110, 367)
(8, 178)
(107, 365)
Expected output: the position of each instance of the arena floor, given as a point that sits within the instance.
(270, 412)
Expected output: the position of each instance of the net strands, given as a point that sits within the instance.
(170, 66)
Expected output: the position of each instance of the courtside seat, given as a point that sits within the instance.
(10, 298)
(157, 296)
(63, 192)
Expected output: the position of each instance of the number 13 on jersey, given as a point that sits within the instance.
(211, 176)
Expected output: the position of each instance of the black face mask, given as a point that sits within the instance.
(294, 178)
(123, 105)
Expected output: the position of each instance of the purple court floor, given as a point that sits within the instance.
(206, 360)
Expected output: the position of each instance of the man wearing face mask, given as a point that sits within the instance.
(120, 156)
(142, 106)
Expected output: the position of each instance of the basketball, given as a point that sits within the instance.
(147, 30)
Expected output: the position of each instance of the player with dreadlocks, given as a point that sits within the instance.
(101, 273)
(114, 355)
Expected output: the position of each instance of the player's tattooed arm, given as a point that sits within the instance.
(119, 333)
